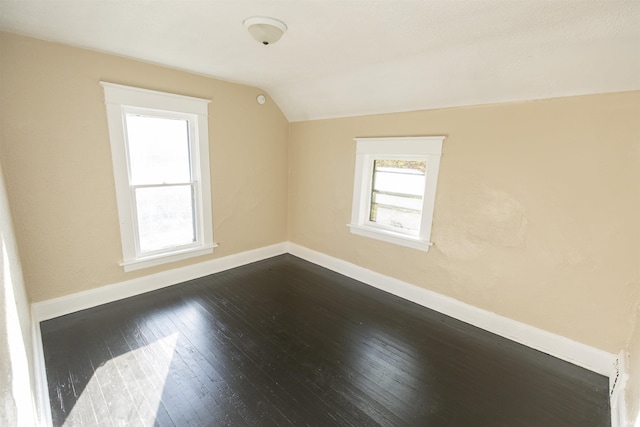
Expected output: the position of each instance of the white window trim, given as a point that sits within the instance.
(370, 149)
(121, 99)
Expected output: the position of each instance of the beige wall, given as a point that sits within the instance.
(537, 210)
(56, 155)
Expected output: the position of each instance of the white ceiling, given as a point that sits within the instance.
(344, 57)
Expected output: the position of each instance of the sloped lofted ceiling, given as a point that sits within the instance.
(345, 58)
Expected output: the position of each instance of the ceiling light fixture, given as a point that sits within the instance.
(265, 30)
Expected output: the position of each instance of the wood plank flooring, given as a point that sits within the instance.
(285, 342)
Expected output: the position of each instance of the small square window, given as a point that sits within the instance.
(394, 189)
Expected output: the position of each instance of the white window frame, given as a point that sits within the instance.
(422, 148)
(122, 100)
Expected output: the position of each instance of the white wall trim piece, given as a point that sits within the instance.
(67, 304)
(43, 407)
(617, 388)
(558, 346)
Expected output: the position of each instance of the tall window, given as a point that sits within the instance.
(159, 145)
(394, 189)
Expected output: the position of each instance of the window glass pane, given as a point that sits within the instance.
(398, 190)
(398, 218)
(158, 150)
(407, 177)
(165, 216)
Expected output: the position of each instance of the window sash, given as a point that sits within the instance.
(194, 212)
(129, 112)
(371, 192)
(192, 122)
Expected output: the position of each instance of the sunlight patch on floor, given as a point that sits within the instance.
(133, 390)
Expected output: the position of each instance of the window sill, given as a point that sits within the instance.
(151, 261)
(391, 237)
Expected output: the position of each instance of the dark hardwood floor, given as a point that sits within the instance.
(283, 342)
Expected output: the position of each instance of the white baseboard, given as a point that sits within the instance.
(67, 304)
(555, 345)
(563, 348)
(43, 407)
(618, 387)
